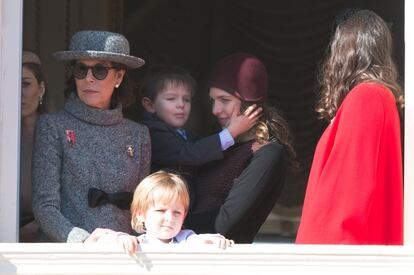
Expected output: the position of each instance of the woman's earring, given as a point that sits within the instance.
(117, 86)
(40, 100)
(143, 226)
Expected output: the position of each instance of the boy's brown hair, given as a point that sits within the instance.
(160, 77)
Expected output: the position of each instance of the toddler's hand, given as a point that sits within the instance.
(222, 242)
(216, 239)
(129, 243)
(241, 123)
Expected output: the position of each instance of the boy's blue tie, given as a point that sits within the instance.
(182, 133)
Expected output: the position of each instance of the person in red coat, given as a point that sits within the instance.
(355, 187)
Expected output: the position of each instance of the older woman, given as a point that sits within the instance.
(87, 158)
(236, 194)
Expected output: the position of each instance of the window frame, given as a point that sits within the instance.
(11, 14)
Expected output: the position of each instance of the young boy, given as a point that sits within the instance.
(158, 209)
(166, 97)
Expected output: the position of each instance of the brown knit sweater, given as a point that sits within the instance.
(216, 178)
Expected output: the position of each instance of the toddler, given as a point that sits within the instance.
(158, 209)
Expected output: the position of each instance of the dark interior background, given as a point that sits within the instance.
(290, 37)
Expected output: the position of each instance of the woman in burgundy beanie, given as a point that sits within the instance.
(236, 194)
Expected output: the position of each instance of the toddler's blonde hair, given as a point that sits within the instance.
(161, 186)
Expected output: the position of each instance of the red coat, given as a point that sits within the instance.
(355, 187)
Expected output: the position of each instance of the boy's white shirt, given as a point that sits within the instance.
(184, 236)
(181, 237)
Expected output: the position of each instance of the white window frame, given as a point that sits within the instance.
(11, 18)
(409, 125)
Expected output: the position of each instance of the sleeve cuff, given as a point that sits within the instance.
(226, 140)
(77, 235)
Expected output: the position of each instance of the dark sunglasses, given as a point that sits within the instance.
(99, 71)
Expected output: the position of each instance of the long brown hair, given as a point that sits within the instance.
(360, 51)
(272, 125)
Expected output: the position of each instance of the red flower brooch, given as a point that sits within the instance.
(70, 137)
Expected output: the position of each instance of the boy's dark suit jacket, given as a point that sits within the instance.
(171, 151)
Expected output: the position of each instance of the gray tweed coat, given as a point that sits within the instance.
(78, 148)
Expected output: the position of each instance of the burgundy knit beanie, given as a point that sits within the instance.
(242, 73)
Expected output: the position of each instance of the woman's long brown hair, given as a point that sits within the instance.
(272, 125)
(360, 51)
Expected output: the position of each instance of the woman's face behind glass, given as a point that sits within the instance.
(32, 91)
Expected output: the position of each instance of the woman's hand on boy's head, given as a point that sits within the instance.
(241, 123)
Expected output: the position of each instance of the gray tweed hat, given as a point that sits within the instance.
(100, 45)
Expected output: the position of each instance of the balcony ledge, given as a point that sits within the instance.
(52, 258)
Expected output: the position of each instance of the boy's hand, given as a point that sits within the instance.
(241, 123)
(221, 241)
(103, 235)
(129, 243)
(216, 239)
